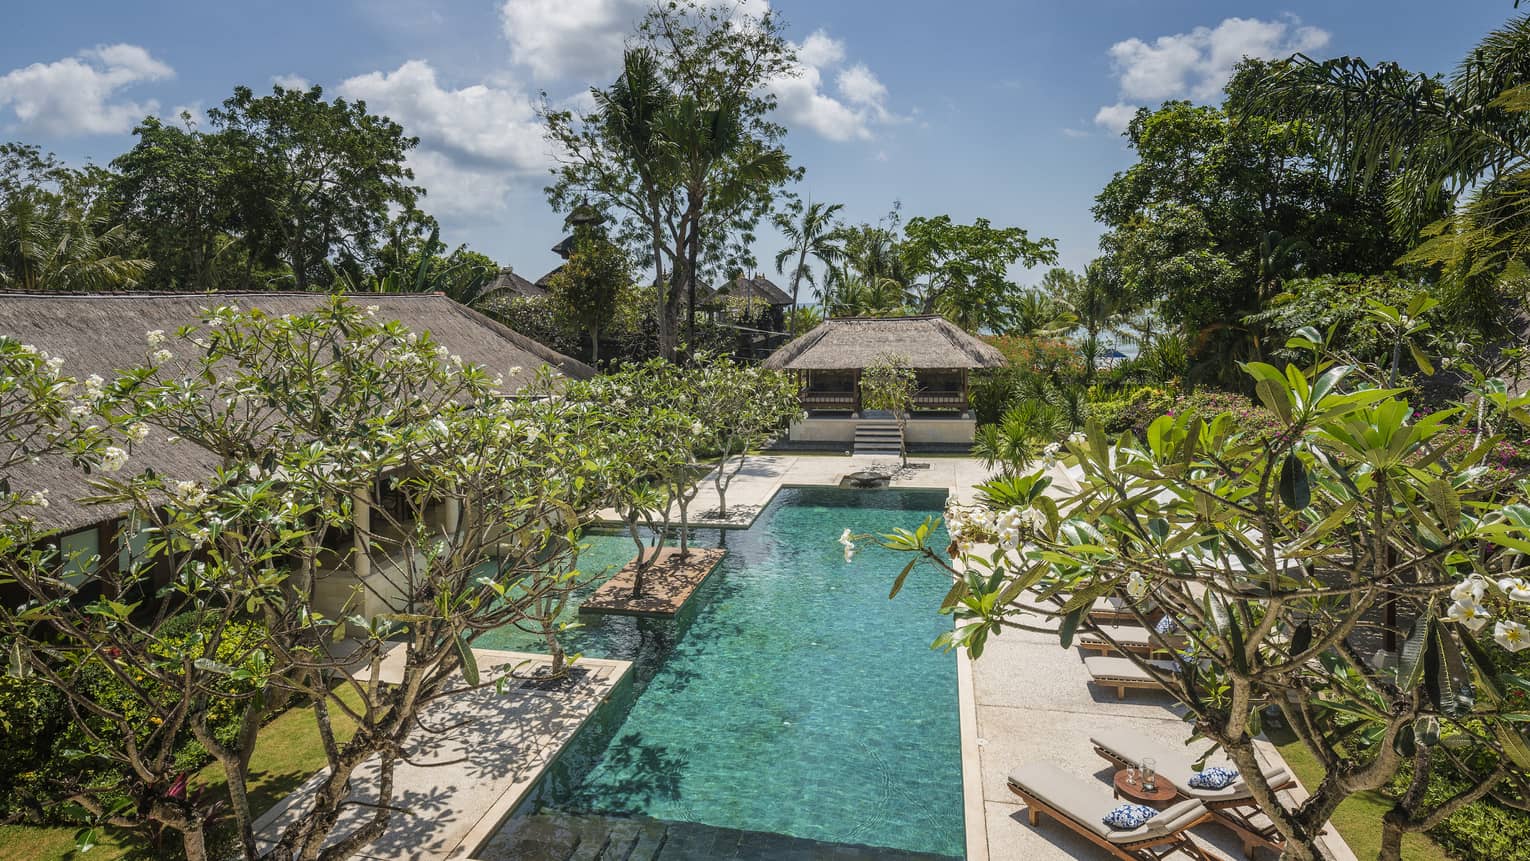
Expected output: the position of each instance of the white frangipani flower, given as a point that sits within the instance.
(155, 337)
(137, 432)
(113, 459)
(1471, 589)
(1517, 588)
(1136, 585)
(1469, 613)
(1511, 635)
(159, 357)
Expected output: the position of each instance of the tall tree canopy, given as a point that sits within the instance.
(1452, 155)
(681, 148)
(288, 181)
(1220, 208)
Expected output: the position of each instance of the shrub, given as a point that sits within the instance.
(32, 716)
(39, 728)
(1209, 403)
(1131, 410)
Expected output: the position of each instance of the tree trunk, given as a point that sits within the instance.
(791, 323)
(194, 843)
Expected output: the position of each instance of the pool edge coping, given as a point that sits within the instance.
(974, 811)
(494, 818)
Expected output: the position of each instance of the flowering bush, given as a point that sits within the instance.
(1270, 550)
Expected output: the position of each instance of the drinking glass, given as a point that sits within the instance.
(1131, 775)
(1149, 774)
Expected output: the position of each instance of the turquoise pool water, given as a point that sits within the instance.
(792, 697)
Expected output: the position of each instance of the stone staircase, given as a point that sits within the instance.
(553, 835)
(878, 436)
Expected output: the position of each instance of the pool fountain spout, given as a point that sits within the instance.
(865, 479)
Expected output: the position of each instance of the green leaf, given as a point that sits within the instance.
(1301, 639)
(902, 576)
(1295, 489)
(1410, 662)
(1420, 359)
(469, 661)
(1069, 626)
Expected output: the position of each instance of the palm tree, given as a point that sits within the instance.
(43, 249)
(1457, 147)
(708, 137)
(857, 296)
(633, 110)
(811, 234)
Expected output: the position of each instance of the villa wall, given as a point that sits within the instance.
(839, 430)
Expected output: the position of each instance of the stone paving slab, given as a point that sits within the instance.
(458, 786)
(667, 585)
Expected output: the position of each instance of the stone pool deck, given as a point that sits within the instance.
(764, 474)
(460, 785)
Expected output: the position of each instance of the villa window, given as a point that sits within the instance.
(79, 552)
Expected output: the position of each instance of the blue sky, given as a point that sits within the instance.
(1003, 110)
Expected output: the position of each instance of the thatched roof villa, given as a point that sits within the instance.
(830, 359)
(103, 333)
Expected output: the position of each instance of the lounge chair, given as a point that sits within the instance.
(1232, 806)
(1115, 610)
(1132, 638)
(1123, 674)
(1081, 804)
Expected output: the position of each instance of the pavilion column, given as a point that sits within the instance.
(966, 401)
(857, 385)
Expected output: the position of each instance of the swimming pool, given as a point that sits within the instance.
(792, 697)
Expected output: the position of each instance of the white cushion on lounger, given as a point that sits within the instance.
(1085, 801)
(1176, 765)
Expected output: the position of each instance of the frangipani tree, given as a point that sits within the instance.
(349, 447)
(739, 407)
(1274, 557)
(888, 383)
(651, 441)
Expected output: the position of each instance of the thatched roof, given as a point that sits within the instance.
(850, 343)
(104, 333)
(544, 283)
(757, 289)
(507, 279)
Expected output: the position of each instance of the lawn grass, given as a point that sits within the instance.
(1358, 818)
(289, 751)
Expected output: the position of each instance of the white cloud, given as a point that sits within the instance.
(475, 142)
(1197, 64)
(819, 50)
(582, 41)
(860, 104)
(78, 95)
(291, 82)
(1115, 117)
(569, 38)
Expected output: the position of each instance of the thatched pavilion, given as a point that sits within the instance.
(830, 359)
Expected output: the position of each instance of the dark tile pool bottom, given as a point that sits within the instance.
(551, 835)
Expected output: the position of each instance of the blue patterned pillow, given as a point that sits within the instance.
(1215, 777)
(1129, 816)
(1166, 625)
